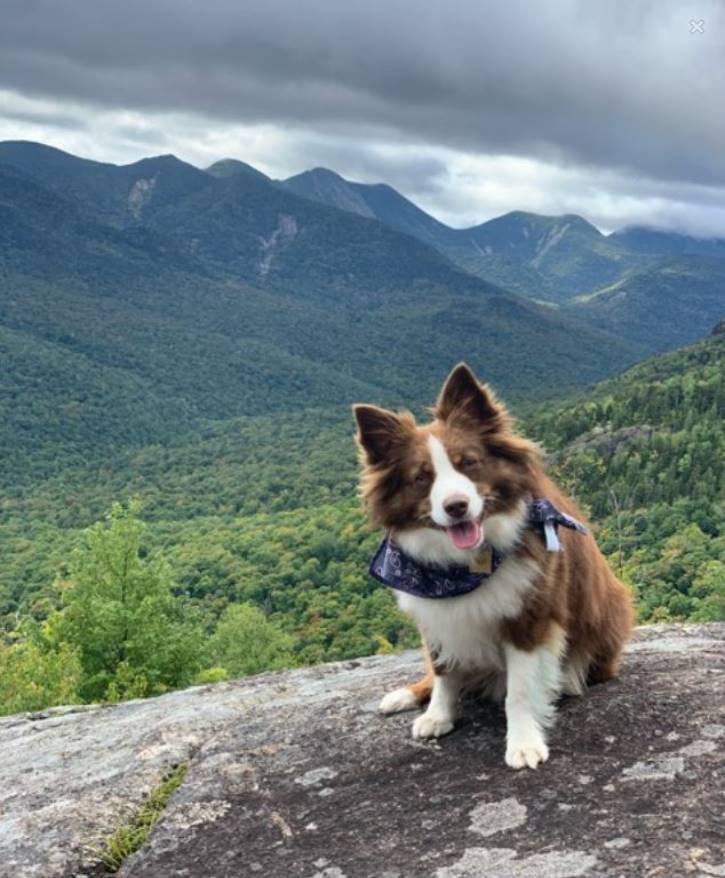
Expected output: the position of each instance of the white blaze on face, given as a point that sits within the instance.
(449, 483)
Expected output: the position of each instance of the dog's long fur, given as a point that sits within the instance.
(545, 622)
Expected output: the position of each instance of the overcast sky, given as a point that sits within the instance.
(614, 110)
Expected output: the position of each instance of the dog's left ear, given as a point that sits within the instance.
(463, 396)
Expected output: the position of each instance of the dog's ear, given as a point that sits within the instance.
(463, 397)
(380, 432)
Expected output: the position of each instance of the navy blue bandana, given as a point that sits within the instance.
(394, 568)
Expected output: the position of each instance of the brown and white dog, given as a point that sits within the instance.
(545, 622)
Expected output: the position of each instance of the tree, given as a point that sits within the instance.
(34, 675)
(246, 642)
(132, 635)
(710, 584)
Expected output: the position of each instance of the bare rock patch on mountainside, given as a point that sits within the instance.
(296, 774)
(606, 441)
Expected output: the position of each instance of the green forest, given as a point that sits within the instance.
(242, 547)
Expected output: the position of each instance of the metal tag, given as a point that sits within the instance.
(483, 562)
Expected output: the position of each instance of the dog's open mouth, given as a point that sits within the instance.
(465, 534)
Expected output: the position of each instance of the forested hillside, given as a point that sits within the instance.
(644, 453)
(663, 306)
(242, 519)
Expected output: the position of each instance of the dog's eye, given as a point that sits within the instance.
(468, 462)
(422, 478)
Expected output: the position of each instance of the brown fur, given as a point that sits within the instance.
(576, 590)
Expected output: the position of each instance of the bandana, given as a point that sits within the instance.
(394, 568)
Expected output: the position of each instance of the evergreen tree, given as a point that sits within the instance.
(133, 636)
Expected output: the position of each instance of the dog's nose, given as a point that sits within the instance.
(456, 506)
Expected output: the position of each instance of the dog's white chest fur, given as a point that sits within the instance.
(464, 631)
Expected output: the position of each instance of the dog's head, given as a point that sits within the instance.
(449, 476)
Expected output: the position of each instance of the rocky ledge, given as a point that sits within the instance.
(295, 775)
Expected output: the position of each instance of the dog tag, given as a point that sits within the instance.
(483, 562)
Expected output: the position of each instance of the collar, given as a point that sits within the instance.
(393, 567)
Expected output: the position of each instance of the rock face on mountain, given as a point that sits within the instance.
(295, 775)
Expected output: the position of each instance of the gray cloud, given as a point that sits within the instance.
(575, 84)
(370, 163)
(612, 83)
(54, 120)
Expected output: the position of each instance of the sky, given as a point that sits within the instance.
(613, 109)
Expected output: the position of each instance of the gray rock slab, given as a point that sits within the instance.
(295, 775)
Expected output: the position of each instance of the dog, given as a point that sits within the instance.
(508, 588)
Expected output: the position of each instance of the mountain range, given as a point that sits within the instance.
(137, 301)
(552, 258)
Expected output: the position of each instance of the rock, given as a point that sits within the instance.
(296, 775)
(606, 441)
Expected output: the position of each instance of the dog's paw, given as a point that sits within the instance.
(527, 753)
(398, 700)
(432, 725)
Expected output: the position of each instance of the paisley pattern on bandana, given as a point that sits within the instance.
(394, 568)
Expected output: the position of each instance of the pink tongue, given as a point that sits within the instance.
(464, 535)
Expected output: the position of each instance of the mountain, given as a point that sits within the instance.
(234, 219)
(231, 297)
(569, 253)
(382, 202)
(327, 187)
(47, 235)
(375, 201)
(667, 305)
(655, 242)
(232, 168)
(118, 195)
(552, 258)
(247, 227)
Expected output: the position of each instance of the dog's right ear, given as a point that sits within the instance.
(380, 432)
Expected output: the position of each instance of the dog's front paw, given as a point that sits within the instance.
(530, 752)
(398, 700)
(432, 725)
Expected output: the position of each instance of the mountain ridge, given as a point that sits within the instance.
(552, 258)
(235, 298)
